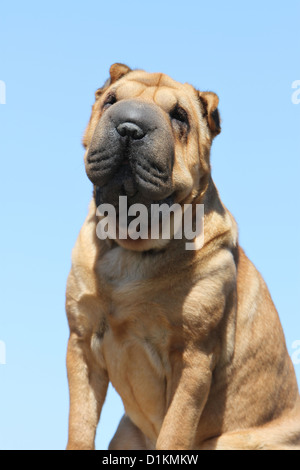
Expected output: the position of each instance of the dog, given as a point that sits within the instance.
(190, 339)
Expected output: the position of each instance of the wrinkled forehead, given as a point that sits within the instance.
(155, 87)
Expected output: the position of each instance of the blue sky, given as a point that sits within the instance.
(53, 56)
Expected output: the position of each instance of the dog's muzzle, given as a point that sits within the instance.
(132, 153)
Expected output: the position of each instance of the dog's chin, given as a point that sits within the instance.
(141, 245)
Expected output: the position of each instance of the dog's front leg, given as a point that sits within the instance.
(88, 386)
(190, 388)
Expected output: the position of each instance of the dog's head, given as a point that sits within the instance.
(149, 138)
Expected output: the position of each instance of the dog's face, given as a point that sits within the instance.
(149, 139)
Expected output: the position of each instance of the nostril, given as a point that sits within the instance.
(129, 129)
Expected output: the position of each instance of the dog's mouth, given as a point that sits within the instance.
(129, 171)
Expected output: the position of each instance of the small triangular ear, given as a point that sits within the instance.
(210, 102)
(116, 72)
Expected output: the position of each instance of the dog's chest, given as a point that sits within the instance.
(120, 267)
(139, 369)
(135, 345)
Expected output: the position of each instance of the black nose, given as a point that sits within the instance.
(132, 119)
(131, 130)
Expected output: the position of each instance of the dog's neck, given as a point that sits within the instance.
(221, 223)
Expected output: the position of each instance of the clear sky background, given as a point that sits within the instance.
(53, 56)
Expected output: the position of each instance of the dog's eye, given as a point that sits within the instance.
(180, 115)
(110, 100)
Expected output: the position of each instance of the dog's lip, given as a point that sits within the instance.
(125, 161)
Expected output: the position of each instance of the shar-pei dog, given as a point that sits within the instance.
(189, 338)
